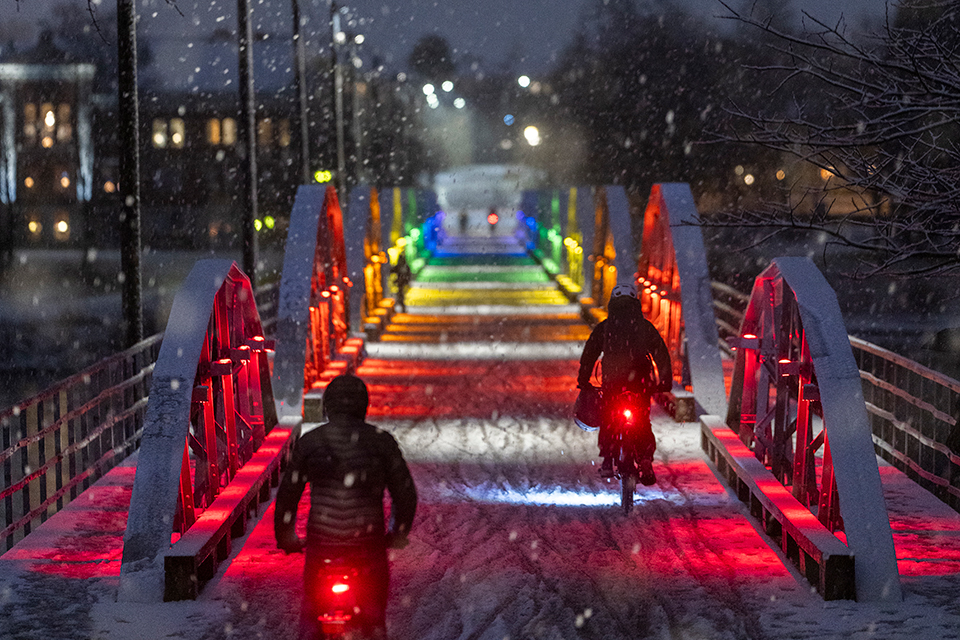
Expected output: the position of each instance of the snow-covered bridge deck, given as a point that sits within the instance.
(516, 536)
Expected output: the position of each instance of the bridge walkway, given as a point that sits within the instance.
(516, 535)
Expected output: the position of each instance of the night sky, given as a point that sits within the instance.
(522, 35)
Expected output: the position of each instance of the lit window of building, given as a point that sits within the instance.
(228, 132)
(30, 124)
(264, 132)
(34, 226)
(159, 136)
(283, 135)
(213, 131)
(178, 133)
(61, 226)
(28, 182)
(49, 119)
(64, 128)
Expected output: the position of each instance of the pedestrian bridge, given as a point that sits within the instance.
(477, 380)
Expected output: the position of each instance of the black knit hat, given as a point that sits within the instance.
(346, 395)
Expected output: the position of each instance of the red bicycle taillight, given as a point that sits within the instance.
(627, 414)
(340, 587)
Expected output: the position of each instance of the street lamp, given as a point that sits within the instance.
(532, 134)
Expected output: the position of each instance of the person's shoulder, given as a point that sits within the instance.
(381, 437)
(310, 441)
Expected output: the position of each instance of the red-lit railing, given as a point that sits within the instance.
(60, 441)
(231, 409)
(329, 292)
(914, 411)
(211, 407)
(774, 377)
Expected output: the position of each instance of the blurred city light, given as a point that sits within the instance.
(359, 38)
(524, 81)
(508, 119)
(428, 89)
(459, 103)
(532, 134)
(447, 86)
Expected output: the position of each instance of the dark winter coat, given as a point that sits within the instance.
(348, 464)
(630, 345)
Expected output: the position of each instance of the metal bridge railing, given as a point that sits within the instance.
(62, 440)
(914, 417)
(267, 296)
(914, 411)
(728, 306)
(59, 442)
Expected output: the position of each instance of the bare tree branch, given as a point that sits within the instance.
(883, 116)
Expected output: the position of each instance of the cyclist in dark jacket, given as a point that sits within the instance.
(636, 359)
(402, 277)
(348, 464)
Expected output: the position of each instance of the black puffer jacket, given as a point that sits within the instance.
(348, 464)
(631, 346)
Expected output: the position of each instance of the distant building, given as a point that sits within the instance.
(46, 145)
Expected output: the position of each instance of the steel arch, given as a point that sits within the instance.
(793, 362)
(674, 284)
(313, 310)
(210, 407)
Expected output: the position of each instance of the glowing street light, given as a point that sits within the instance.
(532, 134)
(524, 81)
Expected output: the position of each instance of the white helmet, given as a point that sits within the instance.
(624, 290)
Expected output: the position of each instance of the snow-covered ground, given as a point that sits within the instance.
(516, 537)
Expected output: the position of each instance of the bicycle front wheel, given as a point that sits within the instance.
(628, 485)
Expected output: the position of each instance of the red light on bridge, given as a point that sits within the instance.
(493, 218)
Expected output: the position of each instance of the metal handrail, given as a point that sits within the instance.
(61, 440)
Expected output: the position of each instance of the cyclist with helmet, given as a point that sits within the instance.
(635, 359)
